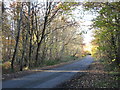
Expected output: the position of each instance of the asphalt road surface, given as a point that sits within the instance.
(49, 78)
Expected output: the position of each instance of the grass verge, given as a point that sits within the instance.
(48, 65)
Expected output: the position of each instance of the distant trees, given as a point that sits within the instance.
(107, 33)
(35, 32)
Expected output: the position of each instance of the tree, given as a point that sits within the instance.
(107, 30)
(19, 20)
(35, 33)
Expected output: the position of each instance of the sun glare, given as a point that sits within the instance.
(88, 47)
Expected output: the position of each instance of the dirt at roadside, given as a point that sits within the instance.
(94, 77)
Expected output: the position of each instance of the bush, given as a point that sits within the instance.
(6, 65)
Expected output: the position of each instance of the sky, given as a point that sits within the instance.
(87, 36)
(85, 19)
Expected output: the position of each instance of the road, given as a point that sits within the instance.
(49, 78)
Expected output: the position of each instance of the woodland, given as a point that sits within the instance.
(45, 33)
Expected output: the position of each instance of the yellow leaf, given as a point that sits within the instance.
(113, 60)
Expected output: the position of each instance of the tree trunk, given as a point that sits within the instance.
(17, 39)
(48, 7)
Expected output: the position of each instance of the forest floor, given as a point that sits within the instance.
(95, 77)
